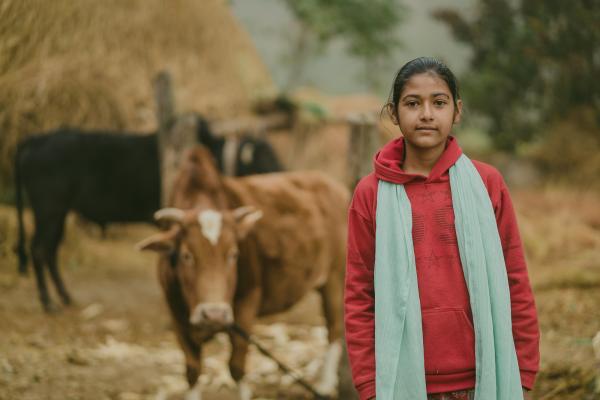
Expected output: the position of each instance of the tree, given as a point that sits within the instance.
(534, 61)
(367, 26)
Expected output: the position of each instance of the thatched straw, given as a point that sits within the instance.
(91, 63)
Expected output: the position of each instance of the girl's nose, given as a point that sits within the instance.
(426, 113)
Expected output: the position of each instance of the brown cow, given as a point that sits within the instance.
(247, 247)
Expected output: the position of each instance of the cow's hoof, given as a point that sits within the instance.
(244, 391)
(327, 390)
(51, 308)
(328, 382)
(68, 302)
(192, 395)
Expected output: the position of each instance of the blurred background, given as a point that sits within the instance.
(528, 72)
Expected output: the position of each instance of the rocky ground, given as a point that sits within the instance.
(116, 342)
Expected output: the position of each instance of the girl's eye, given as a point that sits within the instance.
(439, 103)
(411, 104)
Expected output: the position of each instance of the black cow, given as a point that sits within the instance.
(105, 177)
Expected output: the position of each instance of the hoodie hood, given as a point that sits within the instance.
(388, 162)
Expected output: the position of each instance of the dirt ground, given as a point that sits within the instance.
(116, 342)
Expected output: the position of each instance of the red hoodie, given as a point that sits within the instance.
(448, 335)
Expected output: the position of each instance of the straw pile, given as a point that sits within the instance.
(91, 64)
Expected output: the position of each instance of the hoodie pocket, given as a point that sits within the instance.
(449, 341)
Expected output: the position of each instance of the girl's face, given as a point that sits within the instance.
(426, 112)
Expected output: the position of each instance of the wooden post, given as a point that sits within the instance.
(364, 143)
(174, 135)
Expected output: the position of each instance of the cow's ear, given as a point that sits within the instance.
(163, 242)
(245, 219)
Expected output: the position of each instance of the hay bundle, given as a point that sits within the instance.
(91, 63)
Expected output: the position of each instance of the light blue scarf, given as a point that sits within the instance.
(400, 370)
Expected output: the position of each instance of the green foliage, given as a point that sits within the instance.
(534, 61)
(367, 26)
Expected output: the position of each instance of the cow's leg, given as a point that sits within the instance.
(52, 239)
(192, 352)
(332, 298)
(245, 310)
(57, 279)
(39, 261)
(49, 223)
(57, 235)
(193, 364)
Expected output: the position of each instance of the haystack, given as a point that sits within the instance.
(90, 63)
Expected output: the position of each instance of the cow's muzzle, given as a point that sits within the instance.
(212, 314)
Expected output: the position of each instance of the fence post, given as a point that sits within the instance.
(364, 143)
(174, 135)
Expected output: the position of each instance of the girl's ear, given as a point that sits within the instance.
(458, 111)
(392, 113)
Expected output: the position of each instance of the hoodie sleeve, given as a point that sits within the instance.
(526, 332)
(359, 299)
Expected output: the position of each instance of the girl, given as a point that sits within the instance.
(438, 302)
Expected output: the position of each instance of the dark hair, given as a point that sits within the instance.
(417, 66)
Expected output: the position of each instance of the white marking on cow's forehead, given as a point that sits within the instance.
(211, 222)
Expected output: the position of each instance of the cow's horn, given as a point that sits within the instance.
(243, 211)
(170, 214)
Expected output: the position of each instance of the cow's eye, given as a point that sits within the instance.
(187, 258)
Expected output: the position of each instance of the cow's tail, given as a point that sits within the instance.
(20, 248)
